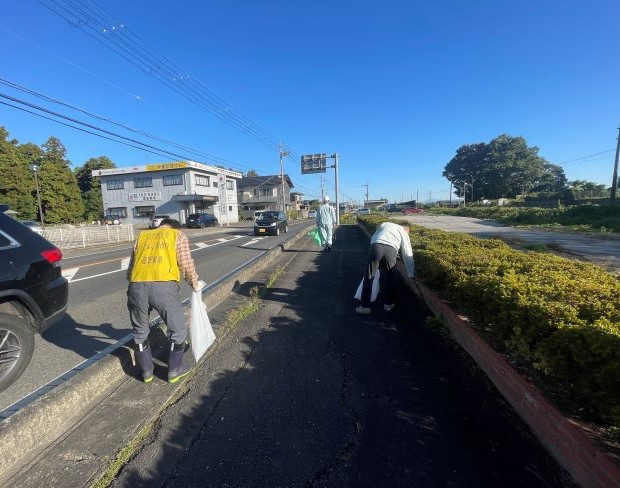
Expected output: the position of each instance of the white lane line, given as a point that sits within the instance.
(253, 241)
(124, 265)
(70, 273)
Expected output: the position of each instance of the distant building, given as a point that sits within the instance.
(265, 193)
(176, 188)
(375, 205)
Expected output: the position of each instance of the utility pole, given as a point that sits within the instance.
(464, 184)
(283, 154)
(614, 183)
(34, 167)
(366, 195)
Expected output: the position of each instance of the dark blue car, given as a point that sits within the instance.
(201, 220)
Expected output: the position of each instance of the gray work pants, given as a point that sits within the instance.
(163, 297)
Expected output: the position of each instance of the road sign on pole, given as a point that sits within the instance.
(313, 163)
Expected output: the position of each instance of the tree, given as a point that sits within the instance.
(60, 194)
(466, 167)
(251, 173)
(17, 188)
(90, 186)
(505, 167)
(553, 180)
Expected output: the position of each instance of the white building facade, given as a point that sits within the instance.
(177, 189)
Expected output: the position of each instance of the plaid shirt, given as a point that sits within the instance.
(184, 260)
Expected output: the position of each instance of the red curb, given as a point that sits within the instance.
(573, 450)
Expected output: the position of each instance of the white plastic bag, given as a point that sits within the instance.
(374, 291)
(200, 329)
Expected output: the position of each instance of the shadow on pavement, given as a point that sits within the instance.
(316, 395)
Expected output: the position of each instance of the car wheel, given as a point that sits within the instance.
(277, 231)
(202, 225)
(285, 229)
(16, 348)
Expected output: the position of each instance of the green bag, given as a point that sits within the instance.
(317, 236)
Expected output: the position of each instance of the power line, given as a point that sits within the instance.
(130, 47)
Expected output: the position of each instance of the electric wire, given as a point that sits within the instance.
(138, 53)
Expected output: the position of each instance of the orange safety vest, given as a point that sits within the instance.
(155, 256)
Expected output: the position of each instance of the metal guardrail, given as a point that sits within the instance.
(84, 236)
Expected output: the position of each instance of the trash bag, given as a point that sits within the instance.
(317, 236)
(200, 330)
(374, 290)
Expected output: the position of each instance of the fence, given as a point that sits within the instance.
(84, 236)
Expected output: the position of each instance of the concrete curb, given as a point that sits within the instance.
(572, 449)
(30, 431)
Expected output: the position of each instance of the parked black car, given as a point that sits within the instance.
(271, 222)
(33, 293)
(201, 220)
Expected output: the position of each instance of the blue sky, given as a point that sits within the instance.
(393, 87)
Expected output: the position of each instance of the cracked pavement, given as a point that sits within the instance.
(308, 393)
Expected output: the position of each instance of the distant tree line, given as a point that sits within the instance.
(507, 167)
(67, 196)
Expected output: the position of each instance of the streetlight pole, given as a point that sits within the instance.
(34, 167)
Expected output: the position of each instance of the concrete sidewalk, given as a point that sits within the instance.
(307, 393)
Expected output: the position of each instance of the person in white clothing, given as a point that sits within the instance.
(325, 221)
(388, 242)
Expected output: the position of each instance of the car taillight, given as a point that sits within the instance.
(53, 256)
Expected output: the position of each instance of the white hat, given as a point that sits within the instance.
(326, 198)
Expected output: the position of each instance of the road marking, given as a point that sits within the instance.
(124, 262)
(69, 273)
(253, 241)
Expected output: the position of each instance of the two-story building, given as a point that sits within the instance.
(257, 193)
(176, 189)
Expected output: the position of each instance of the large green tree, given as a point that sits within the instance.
(16, 182)
(505, 167)
(90, 186)
(60, 194)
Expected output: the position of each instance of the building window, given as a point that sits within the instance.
(230, 208)
(145, 211)
(117, 212)
(171, 180)
(215, 184)
(263, 192)
(230, 185)
(146, 182)
(115, 184)
(202, 180)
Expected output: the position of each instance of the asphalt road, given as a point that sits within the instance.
(96, 316)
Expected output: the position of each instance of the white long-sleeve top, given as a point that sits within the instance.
(394, 235)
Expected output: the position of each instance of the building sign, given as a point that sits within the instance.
(221, 186)
(163, 166)
(144, 196)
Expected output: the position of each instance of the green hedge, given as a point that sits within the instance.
(561, 317)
